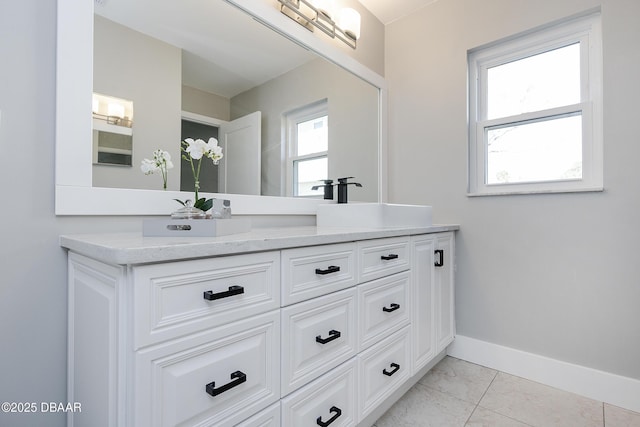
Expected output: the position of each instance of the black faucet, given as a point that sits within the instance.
(328, 188)
(342, 188)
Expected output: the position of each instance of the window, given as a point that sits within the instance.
(535, 111)
(307, 149)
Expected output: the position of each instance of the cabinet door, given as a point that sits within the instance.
(444, 269)
(382, 257)
(382, 369)
(384, 307)
(317, 335)
(329, 400)
(219, 377)
(179, 298)
(317, 270)
(423, 316)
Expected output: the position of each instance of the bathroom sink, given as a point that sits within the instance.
(373, 215)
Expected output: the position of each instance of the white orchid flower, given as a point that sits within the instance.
(214, 152)
(148, 167)
(161, 163)
(196, 149)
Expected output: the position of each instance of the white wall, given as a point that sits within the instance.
(133, 66)
(555, 275)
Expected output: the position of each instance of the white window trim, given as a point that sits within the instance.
(585, 29)
(291, 119)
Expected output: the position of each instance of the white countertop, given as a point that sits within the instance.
(132, 248)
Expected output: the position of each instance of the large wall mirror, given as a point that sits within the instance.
(200, 68)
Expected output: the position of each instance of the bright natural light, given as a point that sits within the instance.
(313, 136)
(547, 80)
(541, 151)
(310, 173)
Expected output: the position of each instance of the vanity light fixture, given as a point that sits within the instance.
(114, 111)
(320, 14)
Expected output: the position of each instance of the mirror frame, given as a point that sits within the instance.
(74, 193)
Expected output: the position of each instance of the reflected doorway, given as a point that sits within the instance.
(208, 171)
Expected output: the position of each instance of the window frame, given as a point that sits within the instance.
(583, 29)
(291, 120)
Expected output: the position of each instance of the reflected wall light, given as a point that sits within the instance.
(114, 111)
(321, 14)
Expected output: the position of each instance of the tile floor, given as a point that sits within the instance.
(456, 393)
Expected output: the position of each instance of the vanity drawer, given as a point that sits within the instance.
(382, 369)
(320, 334)
(384, 307)
(179, 298)
(313, 271)
(269, 417)
(219, 377)
(382, 257)
(329, 399)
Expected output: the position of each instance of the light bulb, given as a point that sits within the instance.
(115, 110)
(349, 21)
(326, 7)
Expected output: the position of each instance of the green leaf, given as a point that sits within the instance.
(203, 204)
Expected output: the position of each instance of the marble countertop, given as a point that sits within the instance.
(133, 248)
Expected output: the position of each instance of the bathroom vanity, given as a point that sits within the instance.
(299, 326)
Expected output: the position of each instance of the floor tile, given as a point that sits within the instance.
(618, 417)
(485, 418)
(464, 380)
(425, 407)
(540, 405)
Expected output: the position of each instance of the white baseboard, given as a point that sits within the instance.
(598, 385)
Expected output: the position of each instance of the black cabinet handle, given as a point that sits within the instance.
(388, 257)
(392, 307)
(333, 335)
(238, 378)
(334, 410)
(330, 269)
(233, 290)
(395, 367)
(439, 257)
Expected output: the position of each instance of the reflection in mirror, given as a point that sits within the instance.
(209, 60)
(112, 130)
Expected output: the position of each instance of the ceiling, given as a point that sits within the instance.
(224, 51)
(221, 45)
(388, 11)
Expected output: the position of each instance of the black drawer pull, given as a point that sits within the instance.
(388, 257)
(233, 290)
(392, 307)
(335, 410)
(439, 257)
(333, 335)
(330, 269)
(395, 367)
(238, 378)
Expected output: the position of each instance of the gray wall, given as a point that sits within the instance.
(353, 118)
(205, 103)
(555, 275)
(133, 66)
(33, 295)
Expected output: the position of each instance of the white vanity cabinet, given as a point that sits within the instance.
(255, 332)
(194, 342)
(432, 273)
